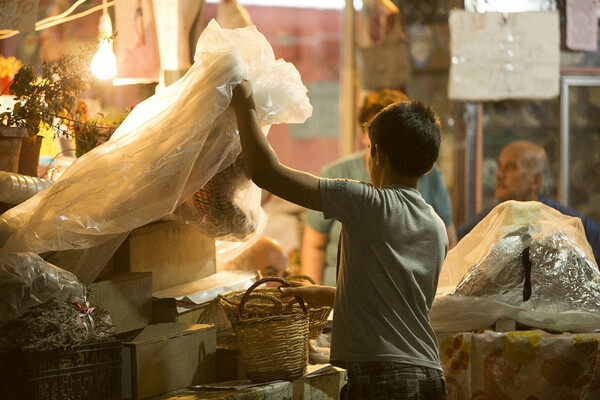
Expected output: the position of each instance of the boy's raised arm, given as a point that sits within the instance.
(261, 161)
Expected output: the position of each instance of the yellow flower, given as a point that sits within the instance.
(585, 343)
(9, 66)
(456, 353)
(520, 346)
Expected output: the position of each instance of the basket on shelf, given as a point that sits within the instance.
(261, 306)
(272, 346)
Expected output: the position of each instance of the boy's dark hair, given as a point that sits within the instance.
(377, 101)
(408, 132)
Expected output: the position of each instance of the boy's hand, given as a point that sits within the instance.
(314, 295)
(262, 163)
(242, 96)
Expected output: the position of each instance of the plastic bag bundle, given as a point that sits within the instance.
(167, 148)
(214, 209)
(528, 262)
(500, 274)
(505, 218)
(541, 271)
(26, 281)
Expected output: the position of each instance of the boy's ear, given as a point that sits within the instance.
(375, 153)
(380, 156)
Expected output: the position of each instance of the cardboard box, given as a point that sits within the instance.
(127, 297)
(167, 357)
(165, 310)
(174, 253)
(322, 381)
(195, 302)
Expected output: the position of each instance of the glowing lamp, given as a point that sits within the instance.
(104, 63)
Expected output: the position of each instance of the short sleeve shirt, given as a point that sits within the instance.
(432, 188)
(393, 246)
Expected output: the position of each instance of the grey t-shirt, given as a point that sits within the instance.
(432, 188)
(393, 246)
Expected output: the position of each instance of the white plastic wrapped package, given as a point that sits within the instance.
(525, 261)
(167, 148)
(26, 281)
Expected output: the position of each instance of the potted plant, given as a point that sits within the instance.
(48, 98)
(51, 99)
(10, 138)
(45, 99)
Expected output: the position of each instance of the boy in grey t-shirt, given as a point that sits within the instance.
(392, 248)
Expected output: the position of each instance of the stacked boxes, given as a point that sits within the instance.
(167, 357)
(161, 357)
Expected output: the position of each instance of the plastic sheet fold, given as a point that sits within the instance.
(167, 148)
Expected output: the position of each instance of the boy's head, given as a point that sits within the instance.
(377, 101)
(408, 133)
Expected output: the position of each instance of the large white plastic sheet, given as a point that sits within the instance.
(165, 150)
(483, 277)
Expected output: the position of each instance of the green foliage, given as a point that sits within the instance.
(49, 98)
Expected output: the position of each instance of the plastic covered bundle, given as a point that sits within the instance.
(218, 210)
(525, 261)
(167, 148)
(26, 281)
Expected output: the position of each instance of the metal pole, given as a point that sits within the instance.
(470, 159)
(563, 174)
(348, 77)
(478, 183)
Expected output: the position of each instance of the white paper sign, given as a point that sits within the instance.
(497, 56)
(582, 25)
(18, 15)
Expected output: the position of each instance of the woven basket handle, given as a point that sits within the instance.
(300, 277)
(260, 282)
(270, 297)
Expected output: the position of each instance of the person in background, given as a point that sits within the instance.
(392, 248)
(265, 255)
(520, 176)
(320, 237)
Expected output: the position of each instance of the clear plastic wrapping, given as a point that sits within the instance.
(167, 148)
(26, 281)
(527, 262)
(543, 271)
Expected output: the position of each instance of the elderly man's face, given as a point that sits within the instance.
(513, 180)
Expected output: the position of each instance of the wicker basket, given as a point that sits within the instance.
(275, 346)
(262, 306)
(317, 317)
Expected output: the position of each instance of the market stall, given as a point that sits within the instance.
(133, 240)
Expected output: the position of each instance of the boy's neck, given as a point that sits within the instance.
(389, 177)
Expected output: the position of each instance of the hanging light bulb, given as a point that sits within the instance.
(104, 63)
